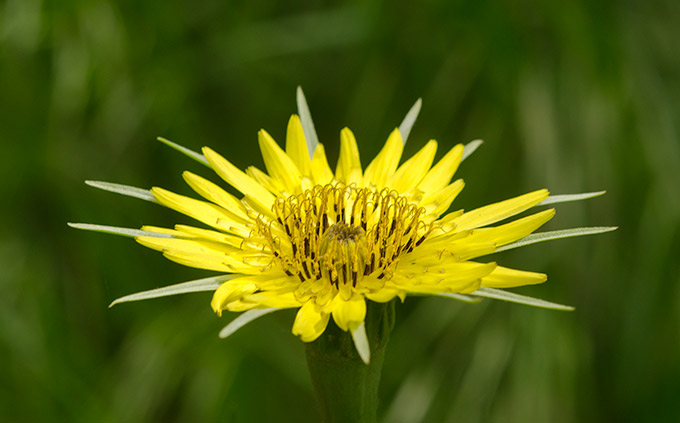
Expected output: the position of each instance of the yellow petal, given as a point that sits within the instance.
(439, 201)
(383, 166)
(230, 291)
(195, 246)
(431, 255)
(502, 277)
(272, 185)
(205, 212)
(279, 165)
(349, 164)
(202, 254)
(200, 261)
(310, 322)
(320, 170)
(271, 300)
(383, 295)
(238, 179)
(217, 195)
(409, 174)
(449, 276)
(191, 231)
(296, 146)
(511, 232)
(498, 211)
(440, 175)
(348, 314)
(239, 306)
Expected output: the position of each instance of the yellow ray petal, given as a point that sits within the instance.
(272, 185)
(439, 201)
(383, 166)
(450, 276)
(238, 179)
(512, 231)
(205, 212)
(432, 255)
(498, 211)
(269, 300)
(503, 277)
(384, 295)
(217, 195)
(296, 146)
(348, 314)
(310, 322)
(200, 261)
(194, 246)
(440, 175)
(409, 174)
(448, 270)
(239, 306)
(279, 165)
(230, 291)
(191, 231)
(320, 170)
(349, 164)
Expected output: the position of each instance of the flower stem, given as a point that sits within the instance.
(347, 389)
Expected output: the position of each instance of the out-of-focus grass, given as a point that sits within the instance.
(574, 96)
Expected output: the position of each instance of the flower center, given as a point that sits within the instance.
(341, 233)
(342, 253)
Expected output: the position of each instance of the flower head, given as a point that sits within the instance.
(325, 242)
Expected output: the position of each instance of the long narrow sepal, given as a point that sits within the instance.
(549, 236)
(117, 230)
(459, 297)
(245, 318)
(189, 153)
(564, 198)
(409, 120)
(361, 343)
(130, 191)
(199, 285)
(307, 123)
(499, 294)
(470, 148)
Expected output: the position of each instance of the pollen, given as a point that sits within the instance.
(339, 234)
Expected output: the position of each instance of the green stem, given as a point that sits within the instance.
(347, 389)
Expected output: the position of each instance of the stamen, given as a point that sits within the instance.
(341, 233)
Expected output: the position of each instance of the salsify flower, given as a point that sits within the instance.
(324, 241)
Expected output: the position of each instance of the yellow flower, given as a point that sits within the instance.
(324, 242)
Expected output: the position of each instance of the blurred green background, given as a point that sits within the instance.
(574, 96)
